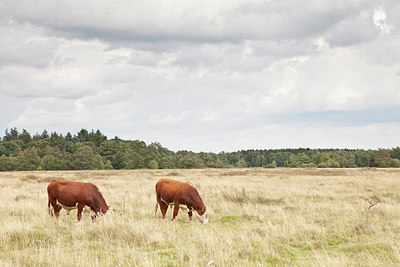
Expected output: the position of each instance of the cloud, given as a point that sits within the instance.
(379, 17)
(25, 44)
(221, 75)
(155, 21)
(353, 30)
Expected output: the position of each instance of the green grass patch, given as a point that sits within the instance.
(268, 201)
(286, 252)
(232, 219)
(21, 239)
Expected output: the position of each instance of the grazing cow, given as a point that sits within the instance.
(180, 194)
(75, 195)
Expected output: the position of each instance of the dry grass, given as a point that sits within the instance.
(261, 217)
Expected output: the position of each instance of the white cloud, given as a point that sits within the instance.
(169, 119)
(379, 17)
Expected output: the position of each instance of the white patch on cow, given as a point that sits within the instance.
(65, 207)
(166, 202)
(183, 207)
(203, 218)
(86, 209)
(51, 209)
(92, 213)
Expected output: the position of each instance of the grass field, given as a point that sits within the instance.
(260, 217)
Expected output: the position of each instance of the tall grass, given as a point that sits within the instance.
(258, 217)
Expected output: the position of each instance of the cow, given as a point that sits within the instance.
(180, 194)
(75, 195)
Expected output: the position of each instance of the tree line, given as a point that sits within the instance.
(93, 150)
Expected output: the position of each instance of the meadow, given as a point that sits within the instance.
(258, 217)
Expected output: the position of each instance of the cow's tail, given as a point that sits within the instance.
(48, 206)
(155, 209)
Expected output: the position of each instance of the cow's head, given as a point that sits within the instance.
(202, 214)
(104, 210)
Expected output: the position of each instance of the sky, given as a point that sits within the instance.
(205, 75)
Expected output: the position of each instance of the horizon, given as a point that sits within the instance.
(175, 151)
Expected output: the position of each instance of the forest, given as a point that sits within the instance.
(21, 151)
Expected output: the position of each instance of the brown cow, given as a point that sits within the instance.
(180, 194)
(75, 195)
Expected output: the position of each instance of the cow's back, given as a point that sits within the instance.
(69, 193)
(57, 187)
(169, 189)
(51, 187)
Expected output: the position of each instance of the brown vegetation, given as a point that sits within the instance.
(257, 217)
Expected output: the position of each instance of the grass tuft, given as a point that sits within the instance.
(28, 178)
(45, 180)
(237, 198)
(243, 197)
(268, 201)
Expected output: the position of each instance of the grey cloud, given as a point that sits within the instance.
(392, 10)
(353, 31)
(151, 22)
(25, 45)
(293, 19)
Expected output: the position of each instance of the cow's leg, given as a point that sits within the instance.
(163, 207)
(155, 209)
(93, 213)
(176, 209)
(56, 208)
(50, 209)
(190, 213)
(80, 209)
